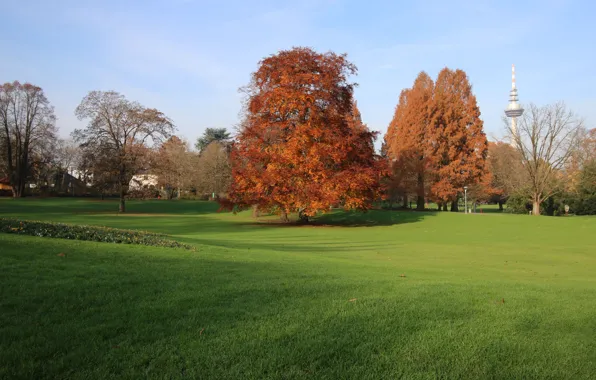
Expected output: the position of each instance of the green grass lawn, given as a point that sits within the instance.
(368, 296)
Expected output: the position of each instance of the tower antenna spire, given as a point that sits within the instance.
(513, 110)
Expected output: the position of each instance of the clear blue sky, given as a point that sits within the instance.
(189, 57)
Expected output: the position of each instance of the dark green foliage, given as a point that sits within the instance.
(91, 233)
(584, 205)
(210, 135)
(584, 202)
(553, 206)
(518, 204)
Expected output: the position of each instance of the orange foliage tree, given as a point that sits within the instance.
(435, 141)
(406, 139)
(302, 146)
(458, 145)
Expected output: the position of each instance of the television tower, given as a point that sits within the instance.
(513, 110)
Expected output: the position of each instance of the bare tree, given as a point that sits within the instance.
(506, 171)
(28, 123)
(99, 167)
(546, 138)
(173, 166)
(122, 128)
(214, 169)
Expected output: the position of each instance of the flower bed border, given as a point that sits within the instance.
(87, 233)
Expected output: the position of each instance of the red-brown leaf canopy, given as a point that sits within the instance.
(458, 143)
(302, 146)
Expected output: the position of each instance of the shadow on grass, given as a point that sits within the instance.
(107, 206)
(260, 317)
(371, 218)
(117, 313)
(341, 218)
(490, 210)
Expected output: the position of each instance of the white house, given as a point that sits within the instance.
(140, 181)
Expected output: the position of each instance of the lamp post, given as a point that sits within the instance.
(465, 199)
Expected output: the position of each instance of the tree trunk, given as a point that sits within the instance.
(284, 217)
(18, 185)
(303, 218)
(420, 198)
(420, 203)
(405, 200)
(122, 207)
(535, 207)
(454, 206)
(444, 206)
(123, 192)
(500, 205)
(255, 211)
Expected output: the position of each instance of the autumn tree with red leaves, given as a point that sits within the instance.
(435, 141)
(458, 145)
(302, 146)
(406, 139)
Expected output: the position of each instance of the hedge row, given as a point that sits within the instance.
(91, 233)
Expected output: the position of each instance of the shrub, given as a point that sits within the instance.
(518, 204)
(90, 233)
(584, 204)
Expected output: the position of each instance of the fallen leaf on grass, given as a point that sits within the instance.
(353, 299)
(61, 254)
(402, 275)
(201, 332)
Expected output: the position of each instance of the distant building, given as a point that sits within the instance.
(142, 181)
(5, 184)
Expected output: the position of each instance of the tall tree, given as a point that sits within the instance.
(214, 169)
(122, 129)
(298, 148)
(583, 155)
(28, 124)
(210, 135)
(458, 145)
(546, 138)
(506, 171)
(407, 136)
(100, 167)
(173, 166)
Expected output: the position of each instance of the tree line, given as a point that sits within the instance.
(122, 140)
(302, 147)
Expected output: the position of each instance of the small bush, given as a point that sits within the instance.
(90, 233)
(584, 204)
(518, 204)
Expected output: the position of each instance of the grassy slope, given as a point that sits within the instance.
(275, 301)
